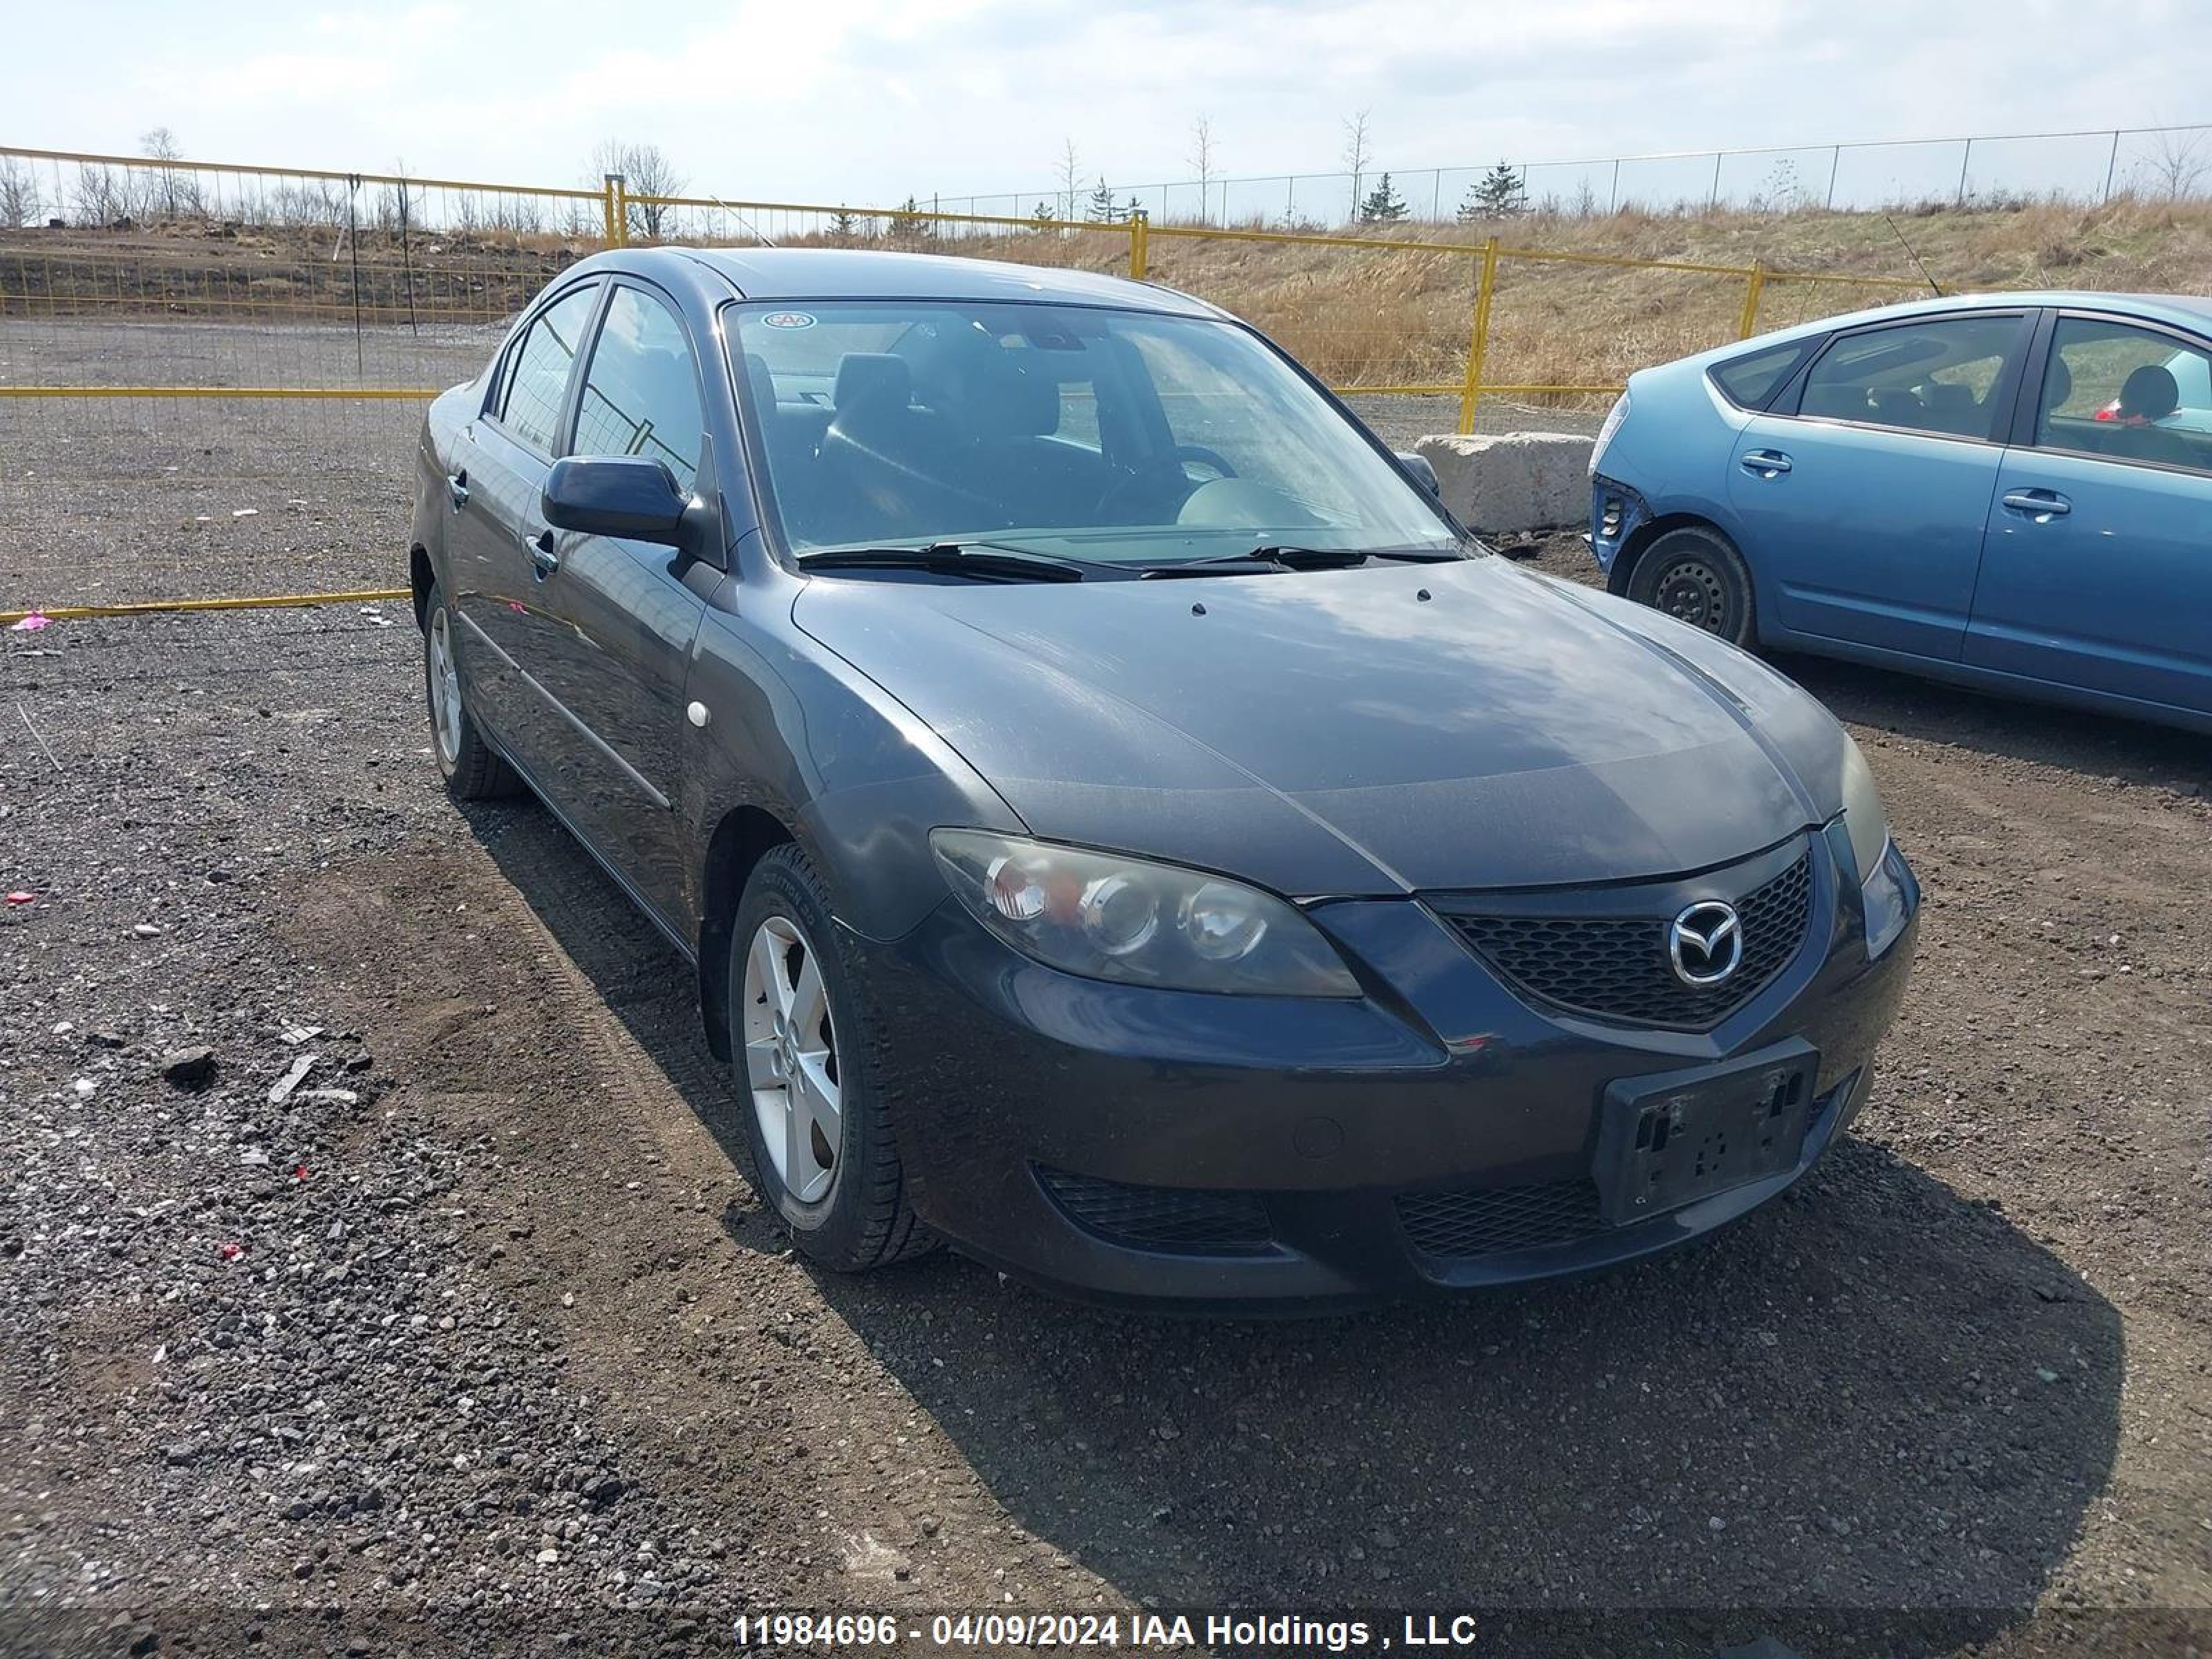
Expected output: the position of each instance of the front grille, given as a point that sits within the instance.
(1617, 968)
(1161, 1218)
(1487, 1221)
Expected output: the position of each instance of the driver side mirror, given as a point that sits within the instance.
(623, 496)
(1423, 473)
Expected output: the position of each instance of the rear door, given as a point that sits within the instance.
(499, 470)
(1861, 498)
(2098, 571)
(624, 614)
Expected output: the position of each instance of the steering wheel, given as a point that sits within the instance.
(1157, 473)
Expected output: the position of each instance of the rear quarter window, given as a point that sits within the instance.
(1749, 380)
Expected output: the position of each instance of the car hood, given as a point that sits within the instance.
(1385, 728)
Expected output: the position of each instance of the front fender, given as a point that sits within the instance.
(799, 734)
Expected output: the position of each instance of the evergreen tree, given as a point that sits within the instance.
(1042, 218)
(845, 224)
(1100, 210)
(1383, 205)
(1498, 194)
(1135, 210)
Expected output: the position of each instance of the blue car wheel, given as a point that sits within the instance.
(1695, 576)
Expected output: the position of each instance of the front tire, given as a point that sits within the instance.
(1695, 576)
(809, 1066)
(472, 770)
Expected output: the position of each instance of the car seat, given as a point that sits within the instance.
(887, 468)
(2150, 394)
(1954, 408)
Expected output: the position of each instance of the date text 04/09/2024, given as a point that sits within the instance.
(1303, 1632)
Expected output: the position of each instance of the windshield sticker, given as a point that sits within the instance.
(786, 319)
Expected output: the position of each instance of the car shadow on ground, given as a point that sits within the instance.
(2094, 745)
(1873, 1395)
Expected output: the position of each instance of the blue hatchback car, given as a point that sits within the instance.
(2012, 491)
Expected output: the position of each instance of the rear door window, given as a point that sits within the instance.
(538, 385)
(2125, 393)
(1939, 375)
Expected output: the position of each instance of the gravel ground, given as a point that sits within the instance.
(478, 1336)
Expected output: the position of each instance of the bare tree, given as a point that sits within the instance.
(1357, 152)
(98, 200)
(170, 193)
(2177, 164)
(399, 205)
(19, 194)
(1204, 160)
(646, 171)
(1069, 172)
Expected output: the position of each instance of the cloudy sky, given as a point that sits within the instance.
(870, 100)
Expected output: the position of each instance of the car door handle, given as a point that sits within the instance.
(457, 488)
(2038, 504)
(544, 555)
(1765, 463)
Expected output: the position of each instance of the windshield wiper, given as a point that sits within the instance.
(978, 559)
(1283, 556)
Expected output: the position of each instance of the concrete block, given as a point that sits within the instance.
(1516, 481)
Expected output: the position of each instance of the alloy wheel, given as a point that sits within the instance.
(445, 689)
(791, 1058)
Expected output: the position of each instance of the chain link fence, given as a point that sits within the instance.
(2166, 163)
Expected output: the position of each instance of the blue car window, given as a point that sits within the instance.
(2126, 394)
(1749, 380)
(1936, 375)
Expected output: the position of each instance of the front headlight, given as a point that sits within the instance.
(1863, 815)
(1613, 418)
(1114, 917)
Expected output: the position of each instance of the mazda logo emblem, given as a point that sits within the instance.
(1705, 944)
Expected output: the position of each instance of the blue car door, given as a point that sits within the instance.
(1859, 499)
(2098, 572)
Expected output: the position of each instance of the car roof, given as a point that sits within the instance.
(2184, 310)
(810, 273)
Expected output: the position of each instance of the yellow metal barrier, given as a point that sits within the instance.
(341, 393)
(1478, 345)
(1749, 326)
(617, 204)
(419, 277)
(162, 607)
(244, 169)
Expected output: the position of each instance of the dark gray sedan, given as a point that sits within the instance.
(1123, 826)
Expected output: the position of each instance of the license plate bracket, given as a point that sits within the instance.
(1670, 1140)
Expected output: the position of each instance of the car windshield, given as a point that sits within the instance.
(1091, 434)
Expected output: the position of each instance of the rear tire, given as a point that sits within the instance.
(472, 770)
(809, 1064)
(1695, 576)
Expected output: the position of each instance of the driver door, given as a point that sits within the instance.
(622, 615)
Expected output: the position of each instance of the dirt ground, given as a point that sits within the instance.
(478, 1337)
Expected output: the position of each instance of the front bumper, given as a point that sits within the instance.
(1130, 1144)
(1617, 513)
